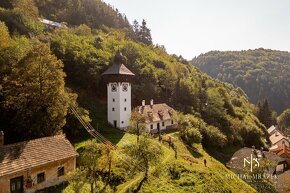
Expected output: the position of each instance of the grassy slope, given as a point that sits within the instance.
(194, 177)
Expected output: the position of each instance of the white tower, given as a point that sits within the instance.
(118, 78)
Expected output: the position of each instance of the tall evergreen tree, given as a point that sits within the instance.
(265, 114)
(145, 34)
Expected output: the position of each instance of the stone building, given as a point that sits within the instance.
(36, 164)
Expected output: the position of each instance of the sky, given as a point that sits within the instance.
(192, 27)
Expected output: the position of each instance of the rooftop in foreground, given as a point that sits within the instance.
(27, 154)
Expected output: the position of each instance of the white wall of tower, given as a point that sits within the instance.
(119, 104)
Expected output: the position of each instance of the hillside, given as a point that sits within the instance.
(261, 73)
(43, 72)
(190, 172)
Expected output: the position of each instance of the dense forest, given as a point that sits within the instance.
(44, 71)
(261, 73)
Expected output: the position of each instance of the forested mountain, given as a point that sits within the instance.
(42, 73)
(261, 73)
(86, 53)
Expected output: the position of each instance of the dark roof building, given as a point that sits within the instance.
(118, 67)
(237, 161)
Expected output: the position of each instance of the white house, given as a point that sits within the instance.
(158, 117)
(272, 130)
(118, 78)
(277, 139)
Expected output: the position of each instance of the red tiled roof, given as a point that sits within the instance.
(25, 155)
(282, 151)
(156, 112)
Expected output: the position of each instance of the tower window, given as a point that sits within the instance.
(114, 87)
(151, 126)
(125, 100)
(122, 122)
(113, 109)
(125, 109)
(125, 87)
(113, 100)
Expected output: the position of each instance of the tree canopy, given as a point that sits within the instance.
(261, 73)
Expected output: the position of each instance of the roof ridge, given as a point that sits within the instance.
(33, 140)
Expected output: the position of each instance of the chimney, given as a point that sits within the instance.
(276, 133)
(143, 103)
(151, 102)
(1, 138)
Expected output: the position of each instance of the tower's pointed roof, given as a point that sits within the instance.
(118, 68)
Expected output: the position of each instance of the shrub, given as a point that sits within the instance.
(212, 136)
(191, 135)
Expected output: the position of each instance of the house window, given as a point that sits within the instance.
(151, 126)
(60, 171)
(172, 122)
(125, 109)
(163, 124)
(113, 109)
(40, 177)
(113, 100)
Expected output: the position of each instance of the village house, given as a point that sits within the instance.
(272, 130)
(277, 139)
(51, 25)
(278, 171)
(282, 151)
(33, 165)
(119, 77)
(158, 117)
(237, 162)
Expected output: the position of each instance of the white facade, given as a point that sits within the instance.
(163, 125)
(119, 104)
(282, 142)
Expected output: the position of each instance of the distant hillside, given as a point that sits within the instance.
(260, 73)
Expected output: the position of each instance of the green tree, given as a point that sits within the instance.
(35, 92)
(88, 172)
(284, 122)
(265, 114)
(137, 124)
(144, 154)
(142, 32)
